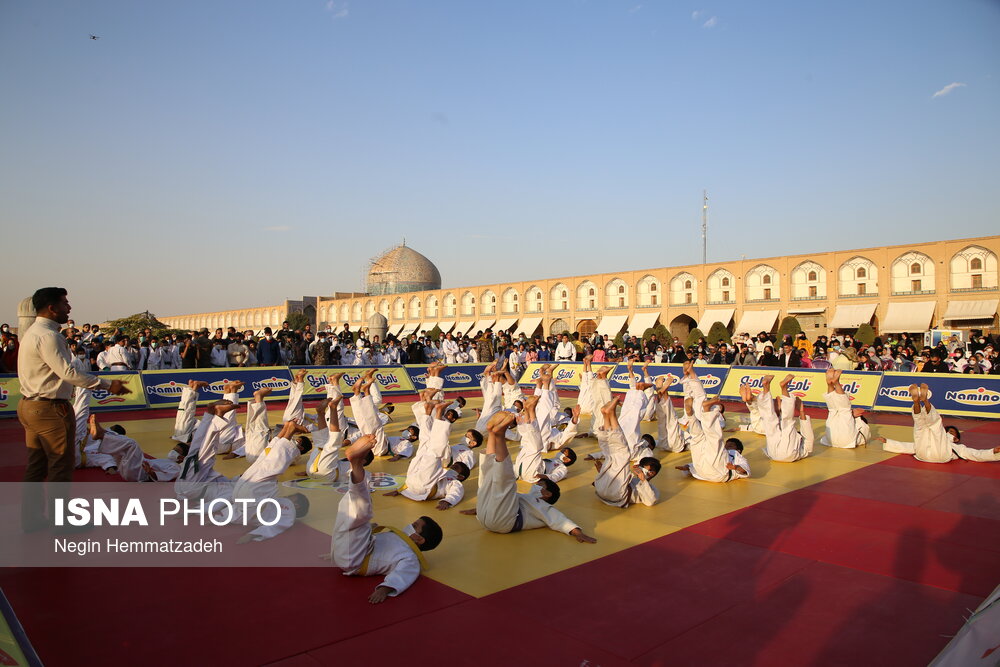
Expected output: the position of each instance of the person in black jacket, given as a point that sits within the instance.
(789, 357)
(723, 356)
(415, 351)
(936, 364)
(768, 358)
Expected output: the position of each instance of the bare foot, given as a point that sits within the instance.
(96, 430)
(261, 394)
(610, 407)
(300, 376)
(357, 451)
(219, 408)
(197, 385)
(499, 422)
(298, 428)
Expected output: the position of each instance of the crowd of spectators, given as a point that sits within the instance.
(148, 350)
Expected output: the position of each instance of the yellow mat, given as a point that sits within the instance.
(479, 563)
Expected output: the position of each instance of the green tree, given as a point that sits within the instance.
(718, 333)
(693, 337)
(661, 332)
(297, 321)
(790, 326)
(865, 334)
(133, 324)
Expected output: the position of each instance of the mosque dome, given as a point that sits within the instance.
(402, 269)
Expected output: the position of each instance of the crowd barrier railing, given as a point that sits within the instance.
(952, 394)
(162, 389)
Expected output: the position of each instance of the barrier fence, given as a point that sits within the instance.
(952, 394)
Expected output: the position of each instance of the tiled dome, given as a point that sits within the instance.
(402, 269)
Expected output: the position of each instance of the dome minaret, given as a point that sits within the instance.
(402, 269)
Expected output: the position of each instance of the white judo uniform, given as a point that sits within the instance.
(933, 444)
(843, 429)
(599, 393)
(367, 416)
(492, 396)
(528, 464)
(361, 549)
(649, 412)
(616, 484)
(784, 442)
(670, 434)
(232, 436)
(709, 456)
(86, 450)
(133, 466)
(184, 422)
(426, 476)
(501, 509)
(585, 399)
(630, 420)
(511, 393)
(435, 382)
(554, 468)
(198, 477)
(754, 425)
(260, 481)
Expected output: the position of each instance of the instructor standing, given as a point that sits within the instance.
(47, 377)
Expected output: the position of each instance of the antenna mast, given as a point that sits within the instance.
(704, 226)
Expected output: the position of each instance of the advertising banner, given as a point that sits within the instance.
(567, 375)
(457, 377)
(10, 394)
(712, 377)
(103, 400)
(951, 394)
(392, 380)
(163, 388)
(809, 384)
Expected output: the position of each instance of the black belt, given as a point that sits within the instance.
(43, 398)
(518, 522)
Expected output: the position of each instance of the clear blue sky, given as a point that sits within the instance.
(213, 155)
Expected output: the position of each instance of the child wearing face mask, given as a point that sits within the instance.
(361, 549)
(933, 442)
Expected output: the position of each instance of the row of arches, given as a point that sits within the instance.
(249, 319)
(972, 268)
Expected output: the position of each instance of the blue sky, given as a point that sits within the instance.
(212, 155)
